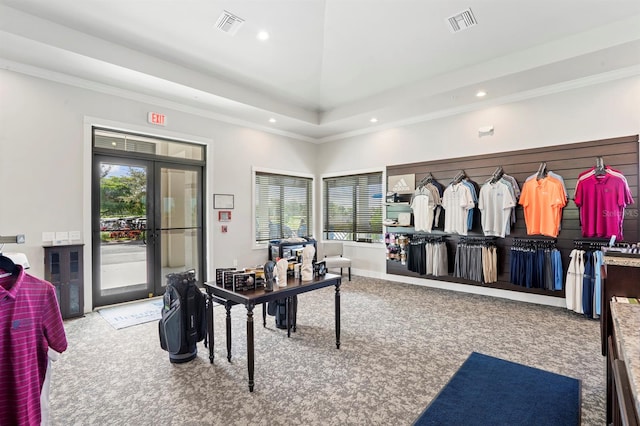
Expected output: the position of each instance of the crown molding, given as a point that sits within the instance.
(66, 79)
(81, 83)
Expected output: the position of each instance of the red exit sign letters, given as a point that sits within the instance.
(157, 118)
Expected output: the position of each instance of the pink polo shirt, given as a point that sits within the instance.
(30, 323)
(602, 200)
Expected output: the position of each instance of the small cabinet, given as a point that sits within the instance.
(621, 281)
(621, 278)
(63, 268)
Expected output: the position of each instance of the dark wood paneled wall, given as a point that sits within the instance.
(566, 160)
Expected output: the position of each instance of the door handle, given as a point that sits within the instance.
(152, 236)
(148, 236)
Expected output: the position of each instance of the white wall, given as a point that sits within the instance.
(44, 171)
(601, 111)
(45, 165)
(596, 112)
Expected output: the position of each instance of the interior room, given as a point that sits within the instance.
(287, 145)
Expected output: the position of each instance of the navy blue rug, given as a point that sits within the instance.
(492, 391)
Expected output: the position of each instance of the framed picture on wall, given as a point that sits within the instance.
(222, 201)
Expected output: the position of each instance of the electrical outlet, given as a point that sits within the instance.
(235, 263)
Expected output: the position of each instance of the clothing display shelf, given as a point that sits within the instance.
(63, 267)
(568, 161)
(393, 212)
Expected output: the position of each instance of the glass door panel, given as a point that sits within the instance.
(122, 250)
(179, 250)
(180, 219)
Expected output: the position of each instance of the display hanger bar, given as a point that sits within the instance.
(592, 241)
(471, 238)
(533, 238)
(12, 239)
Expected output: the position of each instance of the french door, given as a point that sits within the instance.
(178, 220)
(147, 223)
(123, 236)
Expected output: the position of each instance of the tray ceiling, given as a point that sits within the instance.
(328, 66)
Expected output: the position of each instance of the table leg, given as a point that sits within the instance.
(250, 348)
(338, 314)
(210, 326)
(288, 303)
(264, 314)
(228, 308)
(294, 313)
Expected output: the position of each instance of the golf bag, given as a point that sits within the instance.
(278, 308)
(184, 320)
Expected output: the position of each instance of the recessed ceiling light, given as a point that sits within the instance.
(481, 93)
(272, 120)
(263, 35)
(373, 120)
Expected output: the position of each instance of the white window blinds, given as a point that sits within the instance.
(283, 206)
(352, 207)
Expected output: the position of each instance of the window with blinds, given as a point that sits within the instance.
(352, 207)
(283, 206)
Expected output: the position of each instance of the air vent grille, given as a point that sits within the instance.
(461, 21)
(229, 23)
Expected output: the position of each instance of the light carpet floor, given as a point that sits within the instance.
(400, 344)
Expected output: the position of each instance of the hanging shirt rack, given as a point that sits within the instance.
(458, 177)
(425, 180)
(600, 168)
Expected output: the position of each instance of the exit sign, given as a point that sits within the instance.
(157, 118)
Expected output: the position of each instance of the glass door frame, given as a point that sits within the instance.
(155, 164)
(157, 210)
(98, 298)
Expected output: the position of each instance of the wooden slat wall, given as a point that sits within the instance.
(566, 160)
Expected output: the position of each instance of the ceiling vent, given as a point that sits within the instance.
(229, 23)
(461, 21)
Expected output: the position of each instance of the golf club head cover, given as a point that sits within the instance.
(269, 277)
(306, 273)
(281, 268)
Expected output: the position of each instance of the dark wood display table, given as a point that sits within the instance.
(251, 298)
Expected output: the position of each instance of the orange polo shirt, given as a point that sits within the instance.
(542, 201)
